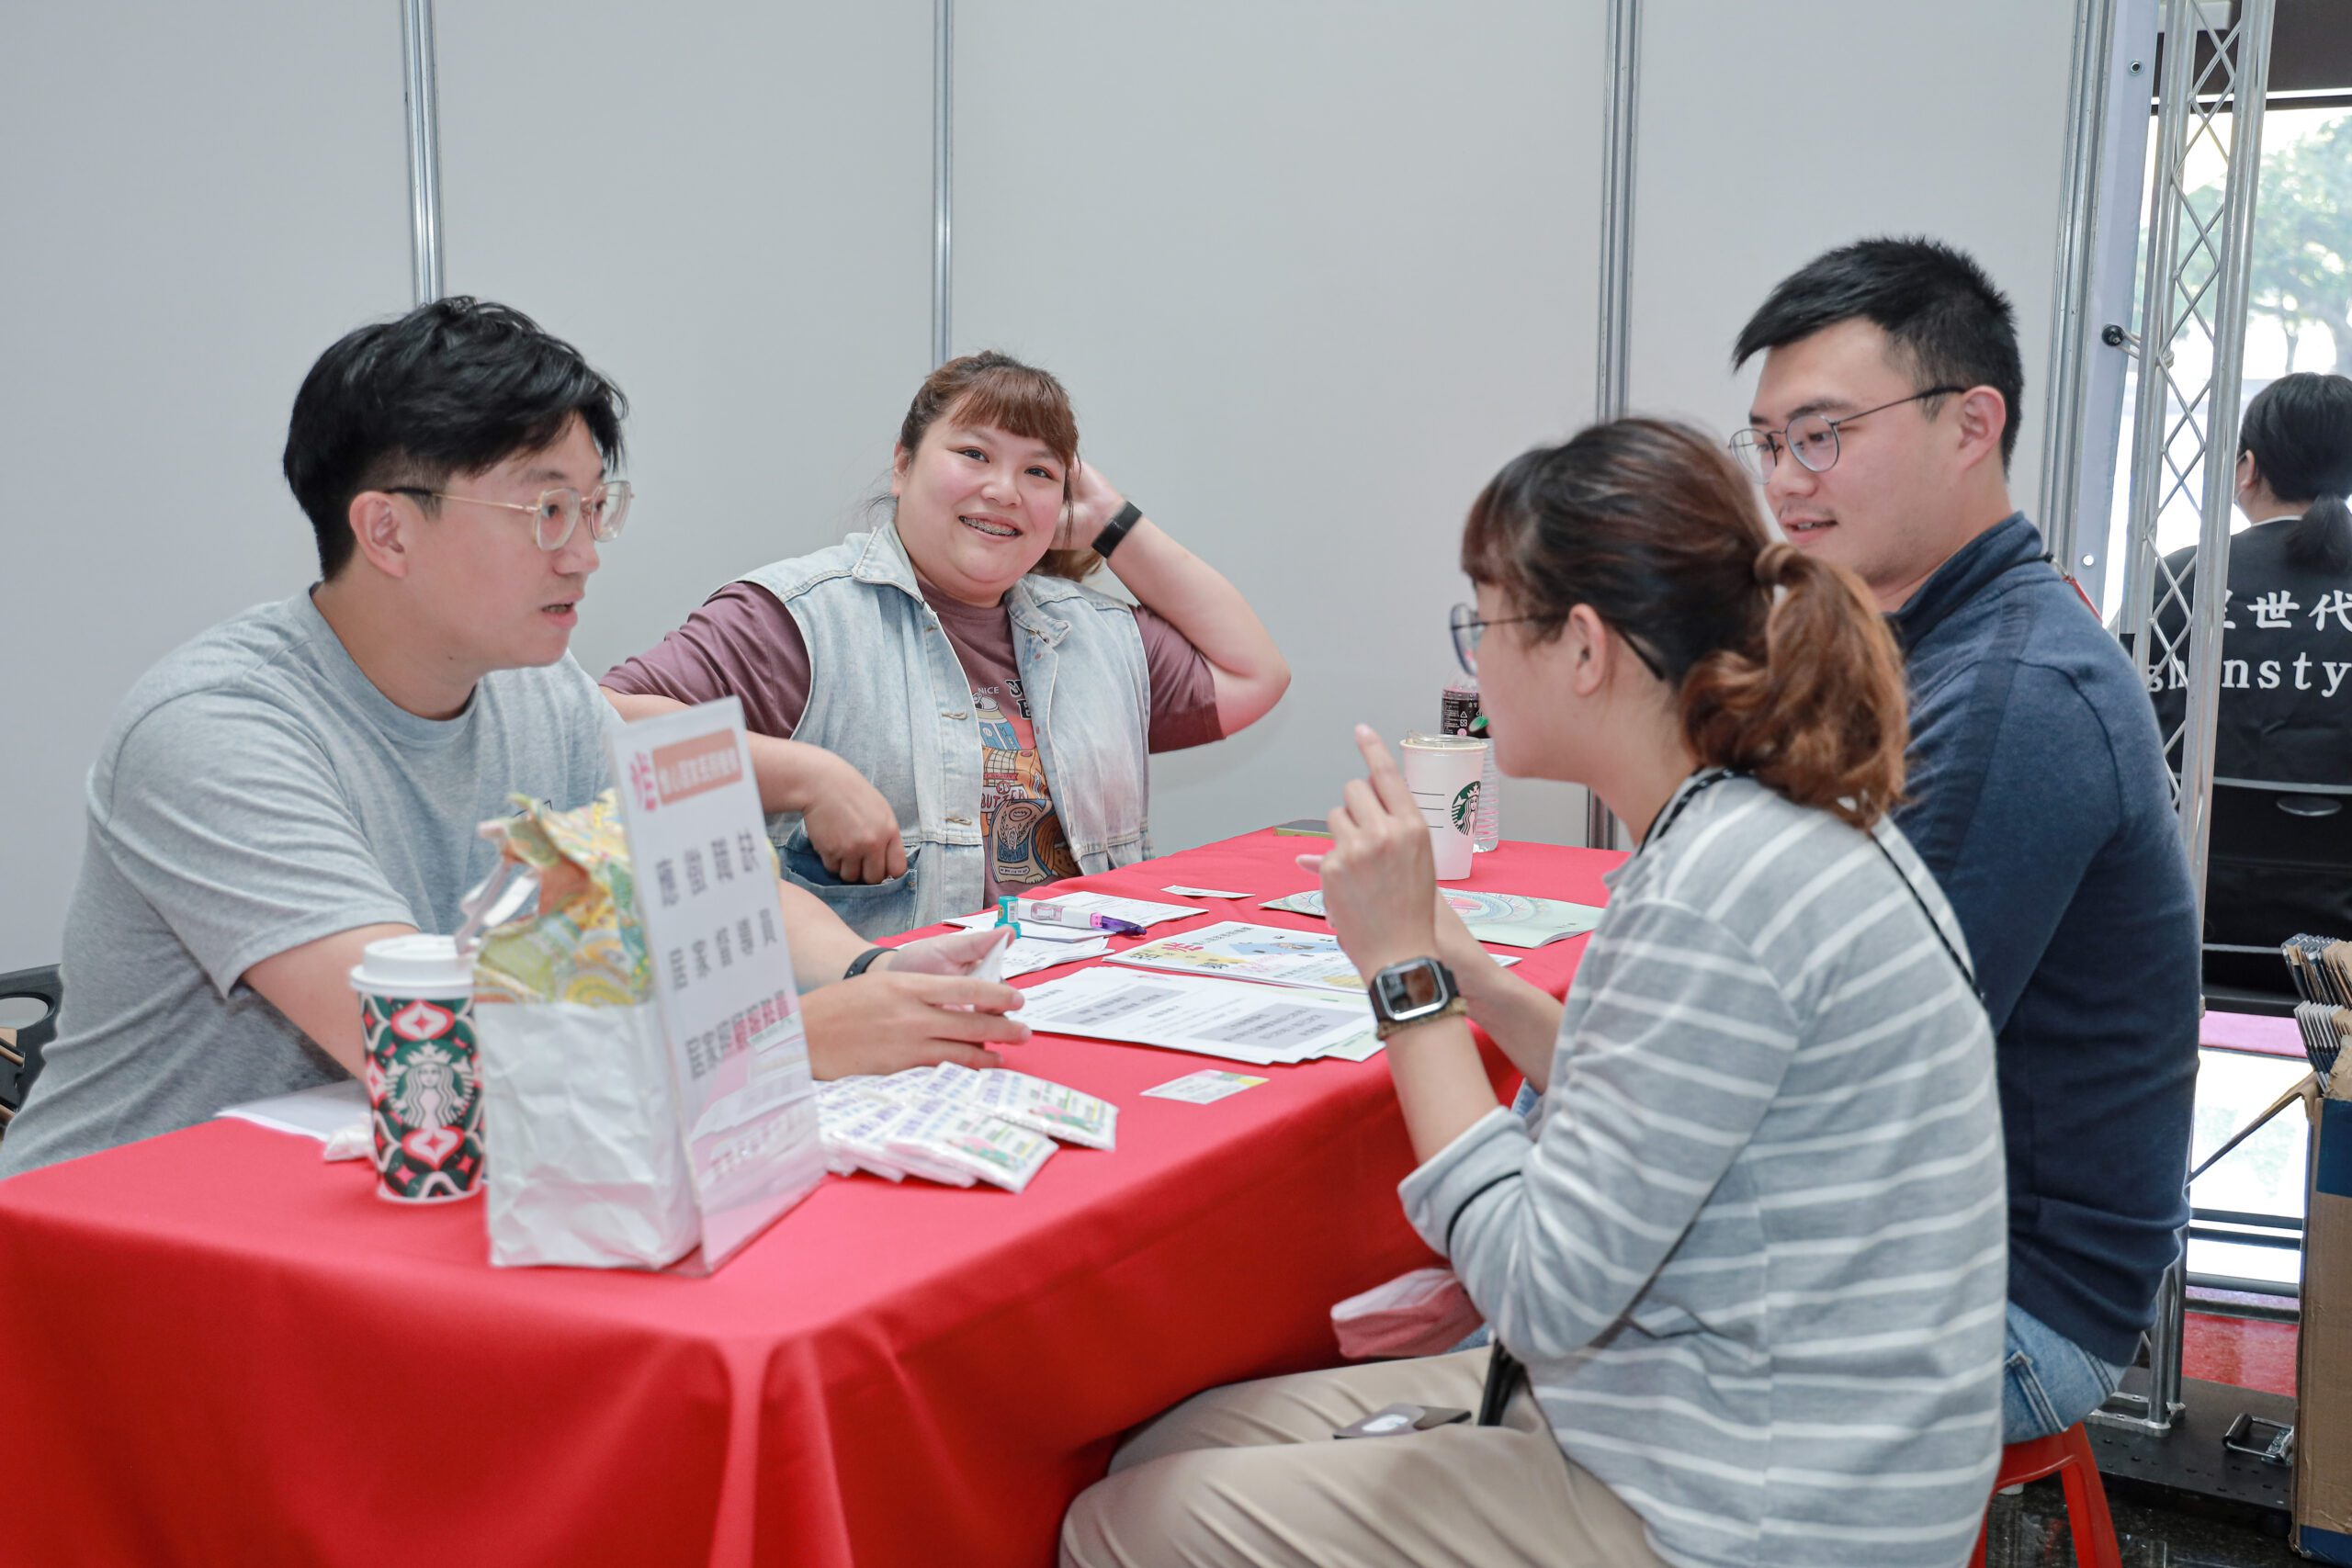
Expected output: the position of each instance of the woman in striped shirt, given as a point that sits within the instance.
(1751, 1250)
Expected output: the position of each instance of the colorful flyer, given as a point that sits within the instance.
(1236, 950)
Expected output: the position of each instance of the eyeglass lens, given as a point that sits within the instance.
(1467, 629)
(561, 511)
(1811, 438)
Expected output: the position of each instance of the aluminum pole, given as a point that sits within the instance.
(423, 102)
(1611, 367)
(942, 174)
(2250, 85)
(2174, 106)
(2071, 342)
(2217, 405)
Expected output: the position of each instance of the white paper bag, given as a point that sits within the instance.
(585, 1163)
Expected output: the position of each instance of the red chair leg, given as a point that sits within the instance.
(2087, 1515)
(2067, 1456)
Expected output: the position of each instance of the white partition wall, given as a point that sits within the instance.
(197, 202)
(1771, 134)
(728, 209)
(1312, 273)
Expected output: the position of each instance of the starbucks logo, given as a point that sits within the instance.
(1464, 808)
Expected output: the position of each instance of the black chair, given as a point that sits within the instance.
(2278, 862)
(21, 1063)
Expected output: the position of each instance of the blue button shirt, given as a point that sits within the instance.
(2037, 794)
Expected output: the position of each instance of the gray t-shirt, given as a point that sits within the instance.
(254, 793)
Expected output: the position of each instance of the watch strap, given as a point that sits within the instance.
(863, 961)
(1113, 531)
(1385, 1027)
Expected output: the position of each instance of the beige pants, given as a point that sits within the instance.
(1251, 1475)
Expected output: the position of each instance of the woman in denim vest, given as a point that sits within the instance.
(940, 711)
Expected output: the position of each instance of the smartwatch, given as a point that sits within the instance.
(1126, 517)
(1419, 990)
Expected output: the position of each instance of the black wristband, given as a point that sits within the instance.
(859, 965)
(1126, 517)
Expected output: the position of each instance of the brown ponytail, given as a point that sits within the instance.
(1781, 666)
(1820, 717)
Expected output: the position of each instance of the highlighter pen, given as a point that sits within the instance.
(1076, 919)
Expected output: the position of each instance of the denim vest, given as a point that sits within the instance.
(888, 696)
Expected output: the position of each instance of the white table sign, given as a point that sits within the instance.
(707, 898)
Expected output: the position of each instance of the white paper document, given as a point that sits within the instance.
(320, 1113)
(1028, 955)
(1270, 955)
(1202, 893)
(1209, 1017)
(1205, 1087)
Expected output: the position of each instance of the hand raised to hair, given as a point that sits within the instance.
(1091, 505)
(1379, 877)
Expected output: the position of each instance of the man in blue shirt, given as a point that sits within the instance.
(1882, 428)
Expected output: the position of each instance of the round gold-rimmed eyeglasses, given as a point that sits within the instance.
(556, 511)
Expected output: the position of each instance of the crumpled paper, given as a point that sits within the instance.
(583, 944)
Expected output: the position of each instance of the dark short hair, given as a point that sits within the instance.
(2300, 430)
(456, 387)
(1942, 312)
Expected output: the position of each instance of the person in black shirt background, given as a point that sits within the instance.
(2286, 699)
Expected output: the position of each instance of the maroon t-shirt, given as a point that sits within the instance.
(746, 644)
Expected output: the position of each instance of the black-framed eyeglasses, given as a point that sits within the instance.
(556, 511)
(1468, 629)
(1810, 438)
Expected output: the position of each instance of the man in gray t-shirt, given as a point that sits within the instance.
(257, 793)
(308, 777)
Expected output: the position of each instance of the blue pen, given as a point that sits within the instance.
(1062, 914)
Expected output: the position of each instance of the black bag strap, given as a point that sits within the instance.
(1504, 1372)
(1503, 1375)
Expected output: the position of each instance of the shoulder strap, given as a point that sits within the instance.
(1933, 924)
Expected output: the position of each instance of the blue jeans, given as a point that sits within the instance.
(2048, 1382)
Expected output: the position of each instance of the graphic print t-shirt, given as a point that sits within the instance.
(2285, 717)
(1026, 845)
(744, 643)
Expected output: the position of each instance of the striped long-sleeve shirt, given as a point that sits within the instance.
(1753, 1248)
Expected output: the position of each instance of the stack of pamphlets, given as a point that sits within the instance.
(955, 1126)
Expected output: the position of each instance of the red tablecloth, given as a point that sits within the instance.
(216, 1348)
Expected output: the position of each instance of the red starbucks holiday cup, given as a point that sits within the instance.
(416, 1005)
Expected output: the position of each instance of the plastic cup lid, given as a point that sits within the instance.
(413, 964)
(1419, 741)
